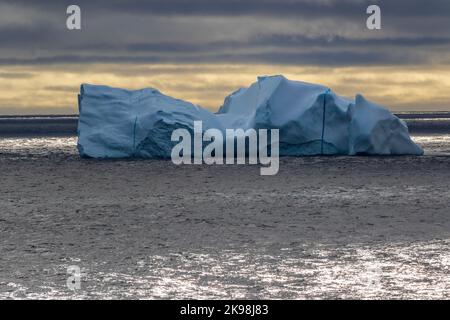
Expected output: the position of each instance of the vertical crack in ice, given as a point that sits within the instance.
(323, 123)
(323, 119)
(134, 137)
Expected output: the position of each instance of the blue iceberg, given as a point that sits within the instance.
(312, 120)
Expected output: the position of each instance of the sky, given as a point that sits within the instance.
(202, 50)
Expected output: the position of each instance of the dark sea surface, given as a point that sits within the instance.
(324, 227)
(425, 122)
(40, 135)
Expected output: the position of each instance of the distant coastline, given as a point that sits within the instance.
(66, 125)
(37, 125)
(423, 114)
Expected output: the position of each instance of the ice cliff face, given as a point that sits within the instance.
(117, 123)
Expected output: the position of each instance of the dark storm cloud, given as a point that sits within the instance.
(317, 58)
(339, 41)
(288, 41)
(210, 7)
(414, 31)
(340, 58)
(307, 8)
(18, 36)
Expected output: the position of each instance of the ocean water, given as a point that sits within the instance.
(53, 147)
(38, 147)
(55, 136)
(404, 256)
(408, 270)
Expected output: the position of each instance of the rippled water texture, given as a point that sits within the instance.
(324, 227)
(398, 270)
(51, 147)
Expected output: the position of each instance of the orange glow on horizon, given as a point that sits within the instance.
(54, 88)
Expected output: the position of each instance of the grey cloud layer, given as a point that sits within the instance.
(324, 32)
(306, 8)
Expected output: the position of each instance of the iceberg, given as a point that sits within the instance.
(312, 120)
(118, 123)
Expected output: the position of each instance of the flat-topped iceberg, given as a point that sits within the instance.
(312, 120)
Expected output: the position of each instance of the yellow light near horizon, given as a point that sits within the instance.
(41, 89)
